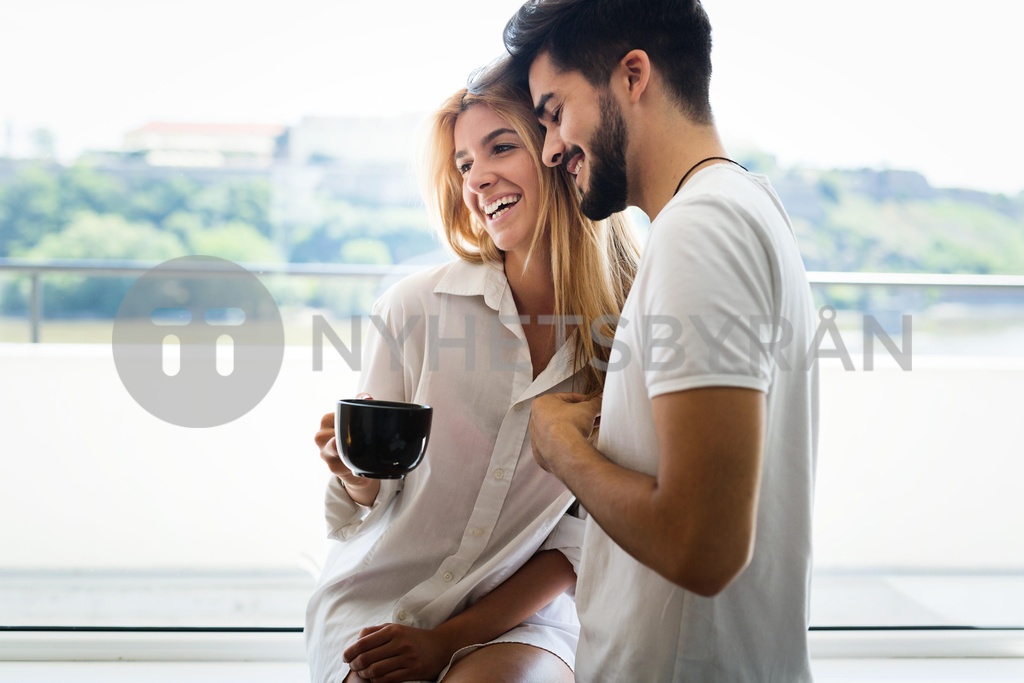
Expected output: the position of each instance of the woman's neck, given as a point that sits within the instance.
(533, 290)
(532, 286)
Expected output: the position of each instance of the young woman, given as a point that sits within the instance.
(464, 563)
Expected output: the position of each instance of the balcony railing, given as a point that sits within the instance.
(37, 271)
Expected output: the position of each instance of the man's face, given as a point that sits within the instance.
(585, 133)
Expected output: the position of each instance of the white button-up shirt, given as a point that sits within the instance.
(478, 506)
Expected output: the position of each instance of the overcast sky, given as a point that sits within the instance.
(927, 86)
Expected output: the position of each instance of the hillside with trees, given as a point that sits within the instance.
(846, 220)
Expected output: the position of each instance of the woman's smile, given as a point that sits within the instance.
(499, 178)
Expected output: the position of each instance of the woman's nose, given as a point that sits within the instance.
(479, 177)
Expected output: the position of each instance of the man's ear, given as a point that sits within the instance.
(635, 69)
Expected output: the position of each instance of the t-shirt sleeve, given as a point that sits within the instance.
(708, 300)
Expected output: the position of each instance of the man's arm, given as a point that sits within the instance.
(694, 522)
(391, 652)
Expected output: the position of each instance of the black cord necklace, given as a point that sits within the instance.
(694, 167)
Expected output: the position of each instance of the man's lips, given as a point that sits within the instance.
(573, 160)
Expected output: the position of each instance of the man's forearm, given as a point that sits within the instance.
(695, 522)
(620, 500)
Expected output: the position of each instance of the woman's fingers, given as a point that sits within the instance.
(326, 432)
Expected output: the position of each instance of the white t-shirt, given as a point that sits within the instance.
(721, 268)
(478, 506)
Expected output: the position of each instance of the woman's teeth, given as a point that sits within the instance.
(499, 207)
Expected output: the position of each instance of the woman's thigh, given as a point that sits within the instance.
(509, 663)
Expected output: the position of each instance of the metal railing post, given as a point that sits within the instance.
(36, 305)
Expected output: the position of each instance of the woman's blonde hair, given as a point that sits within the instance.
(593, 262)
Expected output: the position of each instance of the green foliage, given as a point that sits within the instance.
(855, 220)
(30, 208)
(235, 241)
(154, 199)
(244, 202)
(404, 231)
(936, 235)
(184, 225)
(94, 237)
(365, 250)
(81, 212)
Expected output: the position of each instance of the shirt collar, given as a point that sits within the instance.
(488, 280)
(475, 279)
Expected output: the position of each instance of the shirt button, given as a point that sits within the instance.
(499, 474)
(402, 615)
(518, 407)
(477, 532)
(448, 576)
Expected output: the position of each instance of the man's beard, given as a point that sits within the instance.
(608, 189)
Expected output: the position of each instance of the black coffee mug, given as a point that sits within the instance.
(381, 439)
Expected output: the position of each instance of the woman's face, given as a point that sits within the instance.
(499, 178)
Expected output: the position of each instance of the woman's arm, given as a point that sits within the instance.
(385, 376)
(390, 653)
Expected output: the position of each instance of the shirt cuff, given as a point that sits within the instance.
(567, 538)
(346, 519)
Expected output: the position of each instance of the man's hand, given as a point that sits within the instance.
(391, 653)
(557, 420)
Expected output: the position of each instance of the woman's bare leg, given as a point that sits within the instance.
(509, 663)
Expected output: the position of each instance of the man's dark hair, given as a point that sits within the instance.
(591, 36)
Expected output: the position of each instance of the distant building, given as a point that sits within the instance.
(326, 140)
(209, 145)
(364, 160)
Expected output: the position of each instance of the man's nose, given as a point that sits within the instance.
(554, 148)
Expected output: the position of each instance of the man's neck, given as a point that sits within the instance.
(670, 146)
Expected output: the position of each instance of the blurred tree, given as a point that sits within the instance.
(235, 241)
(93, 236)
(84, 188)
(365, 250)
(153, 199)
(244, 201)
(30, 208)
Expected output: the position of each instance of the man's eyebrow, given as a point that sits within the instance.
(496, 133)
(538, 111)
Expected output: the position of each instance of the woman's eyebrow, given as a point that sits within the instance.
(487, 140)
(497, 133)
